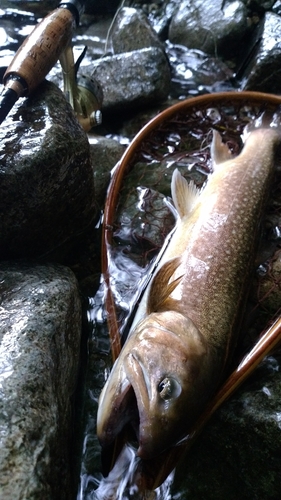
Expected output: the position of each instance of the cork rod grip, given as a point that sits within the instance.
(40, 51)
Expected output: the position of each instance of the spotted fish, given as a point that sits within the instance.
(176, 354)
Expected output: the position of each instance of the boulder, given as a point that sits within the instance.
(133, 79)
(40, 329)
(46, 177)
(262, 71)
(105, 153)
(210, 26)
(238, 453)
(131, 30)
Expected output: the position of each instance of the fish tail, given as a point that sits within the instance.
(185, 194)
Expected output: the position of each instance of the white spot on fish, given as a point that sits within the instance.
(196, 270)
(215, 221)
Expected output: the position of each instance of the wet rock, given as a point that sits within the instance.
(145, 220)
(244, 438)
(209, 27)
(193, 70)
(269, 290)
(259, 4)
(277, 7)
(133, 79)
(47, 187)
(94, 37)
(40, 328)
(105, 153)
(127, 128)
(132, 31)
(263, 72)
(159, 14)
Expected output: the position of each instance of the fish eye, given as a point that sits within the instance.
(169, 388)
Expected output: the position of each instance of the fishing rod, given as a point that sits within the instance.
(38, 53)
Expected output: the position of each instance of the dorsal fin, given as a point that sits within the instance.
(220, 151)
(161, 289)
(185, 195)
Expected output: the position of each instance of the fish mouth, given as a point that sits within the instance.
(151, 439)
(115, 412)
(120, 427)
(125, 412)
(141, 387)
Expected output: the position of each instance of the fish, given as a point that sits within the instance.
(178, 350)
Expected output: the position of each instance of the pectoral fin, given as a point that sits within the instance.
(159, 298)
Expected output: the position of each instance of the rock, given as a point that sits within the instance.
(47, 186)
(277, 7)
(144, 221)
(238, 453)
(263, 72)
(269, 289)
(209, 27)
(132, 31)
(40, 328)
(262, 4)
(192, 69)
(159, 15)
(105, 153)
(133, 79)
(94, 37)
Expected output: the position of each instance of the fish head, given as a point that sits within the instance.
(159, 383)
